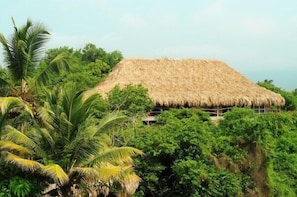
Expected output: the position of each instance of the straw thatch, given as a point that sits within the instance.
(190, 82)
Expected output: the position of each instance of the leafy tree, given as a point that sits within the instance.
(90, 53)
(87, 76)
(113, 58)
(133, 99)
(290, 98)
(70, 146)
(65, 50)
(89, 65)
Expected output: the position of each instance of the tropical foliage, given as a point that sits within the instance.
(61, 146)
(246, 154)
(181, 158)
(69, 145)
(60, 138)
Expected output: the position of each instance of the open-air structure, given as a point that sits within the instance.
(207, 84)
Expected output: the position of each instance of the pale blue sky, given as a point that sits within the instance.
(257, 37)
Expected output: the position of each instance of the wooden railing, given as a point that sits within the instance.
(218, 111)
(213, 112)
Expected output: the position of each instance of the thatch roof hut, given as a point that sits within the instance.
(189, 82)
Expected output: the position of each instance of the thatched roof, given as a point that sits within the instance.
(192, 82)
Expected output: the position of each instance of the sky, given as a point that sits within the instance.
(258, 38)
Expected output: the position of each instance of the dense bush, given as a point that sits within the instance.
(270, 141)
(181, 157)
(281, 150)
(247, 154)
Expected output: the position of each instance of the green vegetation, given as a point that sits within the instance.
(59, 137)
(245, 155)
(54, 138)
(133, 100)
(22, 54)
(290, 97)
(90, 64)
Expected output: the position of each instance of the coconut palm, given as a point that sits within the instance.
(22, 53)
(71, 147)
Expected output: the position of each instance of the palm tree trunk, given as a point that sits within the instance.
(23, 85)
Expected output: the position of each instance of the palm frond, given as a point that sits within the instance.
(9, 103)
(19, 63)
(46, 115)
(4, 86)
(36, 36)
(117, 155)
(108, 172)
(110, 120)
(54, 118)
(89, 93)
(11, 146)
(47, 137)
(8, 57)
(56, 66)
(72, 106)
(88, 173)
(20, 138)
(83, 134)
(56, 173)
(124, 175)
(84, 149)
(24, 164)
(46, 142)
(130, 182)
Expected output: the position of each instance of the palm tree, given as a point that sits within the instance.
(22, 53)
(70, 145)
